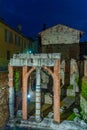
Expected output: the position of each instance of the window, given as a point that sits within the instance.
(25, 44)
(17, 40)
(8, 36)
(8, 55)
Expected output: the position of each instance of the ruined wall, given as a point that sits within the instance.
(3, 98)
(60, 34)
(83, 104)
(83, 96)
(61, 39)
(65, 40)
(67, 51)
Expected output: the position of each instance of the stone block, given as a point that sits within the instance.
(70, 92)
(48, 99)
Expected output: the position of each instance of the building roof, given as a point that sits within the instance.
(64, 26)
(3, 22)
(60, 34)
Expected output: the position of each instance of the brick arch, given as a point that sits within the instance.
(30, 71)
(48, 70)
(42, 59)
(43, 67)
(56, 88)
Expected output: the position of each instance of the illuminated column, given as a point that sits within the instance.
(11, 92)
(38, 95)
(56, 106)
(24, 93)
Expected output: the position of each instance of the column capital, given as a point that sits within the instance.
(38, 67)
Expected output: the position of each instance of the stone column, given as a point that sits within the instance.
(67, 72)
(85, 68)
(56, 106)
(38, 95)
(11, 92)
(24, 93)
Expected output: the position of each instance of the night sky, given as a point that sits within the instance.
(32, 14)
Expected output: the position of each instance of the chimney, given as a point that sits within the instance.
(44, 26)
(19, 27)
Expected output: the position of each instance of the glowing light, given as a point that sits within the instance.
(30, 51)
(29, 96)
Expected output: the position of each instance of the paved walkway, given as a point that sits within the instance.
(48, 124)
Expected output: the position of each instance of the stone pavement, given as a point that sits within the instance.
(48, 124)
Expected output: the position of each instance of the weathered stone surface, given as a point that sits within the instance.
(83, 98)
(85, 67)
(3, 98)
(75, 110)
(74, 75)
(34, 59)
(44, 79)
(70, 92)
(48, 124)
(48, 99)
(80, 123)
(61, 39)
(60, 34)
(83, 104)
(67, 51)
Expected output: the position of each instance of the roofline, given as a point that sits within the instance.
(61, 25)
(3, 22)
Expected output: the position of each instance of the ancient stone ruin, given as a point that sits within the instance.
(29, 63)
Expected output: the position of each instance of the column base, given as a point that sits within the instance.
(55, 122)
(11, 118)
(38, 120)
